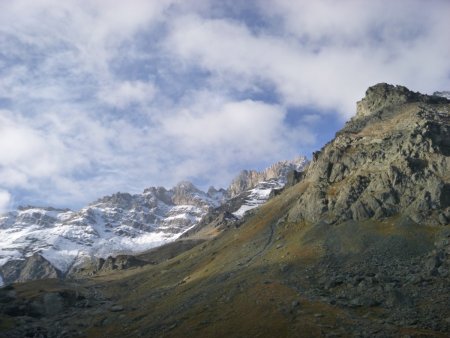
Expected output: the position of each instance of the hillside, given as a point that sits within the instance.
(358, 245)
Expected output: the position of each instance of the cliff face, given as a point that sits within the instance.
(248, 179)
(392, 157)
(32, 268)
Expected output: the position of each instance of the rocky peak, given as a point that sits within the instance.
(158, 193)
(185, 186)
(219, 195)
(119, 198)
(394, 160)
(31, 268)
(245, 180)
(248, 179)
(212, 191)
(186, 193)
(445, 93)
(383, 95)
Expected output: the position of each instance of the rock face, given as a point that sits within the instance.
(248, 191)
(392, 157)
(99, 265)
(32, 268)
(384, 95)
(248, 179)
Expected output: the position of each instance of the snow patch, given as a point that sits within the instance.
(258, 196)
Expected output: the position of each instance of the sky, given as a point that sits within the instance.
(102, 96)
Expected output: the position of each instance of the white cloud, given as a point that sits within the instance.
(128, 92)
(66, 156)
(328, 53)
(239, 129)
(99, 96)
(5, 200)
(209, 134)
(19, 144)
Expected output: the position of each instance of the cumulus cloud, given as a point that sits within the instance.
(254, 124)
(97, 97)
(18, 144)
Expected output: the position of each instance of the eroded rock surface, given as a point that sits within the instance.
(392, 157)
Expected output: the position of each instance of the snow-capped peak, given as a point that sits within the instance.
(256, 187)
(124, 223)
(248, 179)
(120, 223)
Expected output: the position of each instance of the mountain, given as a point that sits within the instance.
(253, 188)
(357, 245)
(120, 224)
(391, 158)
(248, 179)
(445, 94)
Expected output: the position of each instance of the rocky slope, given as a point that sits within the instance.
(391, 157)
(47, 242)
(310, 262)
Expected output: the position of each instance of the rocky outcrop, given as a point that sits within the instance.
(392, 157)
(444, 93)
(248, 179)
(384, 95)
(99, 265)
(186, 193)
(32, 268)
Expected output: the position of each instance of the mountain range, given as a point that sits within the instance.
(48, 242)
(357, 244)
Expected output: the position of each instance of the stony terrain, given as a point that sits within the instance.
(350, 248)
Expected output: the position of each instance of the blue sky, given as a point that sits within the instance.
(102, 96)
